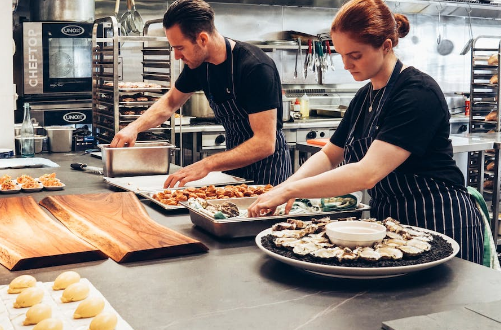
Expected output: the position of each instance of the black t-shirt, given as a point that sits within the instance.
(255, 77)
(416, 118)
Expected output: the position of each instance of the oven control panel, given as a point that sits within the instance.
(314, 133)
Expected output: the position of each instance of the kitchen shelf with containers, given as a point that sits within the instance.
(484, 114)
(115, 102)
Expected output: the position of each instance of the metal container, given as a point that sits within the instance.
(244, 227)
(63, 10)
(198, 106)
(287, 104)
(60, 138)
(38, 143)
(145, 158)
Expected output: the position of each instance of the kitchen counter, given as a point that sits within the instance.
(235, 286)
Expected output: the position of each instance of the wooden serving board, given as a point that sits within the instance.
(118, 225)
(29, 238)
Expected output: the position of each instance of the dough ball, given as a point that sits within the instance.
(49, 324)
(29, 297)
(493, 60)
(65, 279)
(20, 283)
(89, 308)
(75, 292)
(37, 313)
(103, 321)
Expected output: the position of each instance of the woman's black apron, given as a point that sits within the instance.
(273, 169)
(416, 200)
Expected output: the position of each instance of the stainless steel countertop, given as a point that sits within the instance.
(235, 286)
(299, 124)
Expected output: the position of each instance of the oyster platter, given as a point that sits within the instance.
(404, 249)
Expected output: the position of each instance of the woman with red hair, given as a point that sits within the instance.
(392, 141)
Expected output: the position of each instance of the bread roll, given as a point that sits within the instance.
(488, 184)
(492, 116)
(490, 166)
(493, 60)
(494, 79)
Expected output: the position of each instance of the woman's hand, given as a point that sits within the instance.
(267, 203)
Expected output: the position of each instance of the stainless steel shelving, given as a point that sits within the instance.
(115, 103)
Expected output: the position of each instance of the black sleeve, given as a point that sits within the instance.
(187, 82)
(260, 90)
(412, 120)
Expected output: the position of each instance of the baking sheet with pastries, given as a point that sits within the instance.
(12, 318)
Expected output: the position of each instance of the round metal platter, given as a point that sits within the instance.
(358, 272)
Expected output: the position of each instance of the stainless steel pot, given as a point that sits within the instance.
(198, 106)
(287, 104)
(63, 10)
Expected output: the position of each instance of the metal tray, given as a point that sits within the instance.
(245, 227)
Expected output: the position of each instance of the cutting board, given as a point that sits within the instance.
(118, 225)
(29, 238)
(318, 142)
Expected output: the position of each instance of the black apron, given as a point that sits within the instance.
(416, 200)
(273, 169)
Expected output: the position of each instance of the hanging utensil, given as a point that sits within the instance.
(125, 19)
(137, 23)
(117, 9)
(308, 59)
(469, 43)
(445, 46)
(331, 61)
(300, 50)
(297, 55)
(439, 35)
(321, 62)
(313, 63)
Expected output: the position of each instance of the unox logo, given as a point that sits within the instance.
(72, 30)
(74, 117)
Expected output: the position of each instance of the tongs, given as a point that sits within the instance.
(329, 61)
(308, 61)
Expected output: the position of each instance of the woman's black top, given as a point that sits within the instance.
(415, 118)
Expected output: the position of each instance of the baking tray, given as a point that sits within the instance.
(245, 227)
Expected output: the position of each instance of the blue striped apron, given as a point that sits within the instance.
(420, 201)
(273, 169)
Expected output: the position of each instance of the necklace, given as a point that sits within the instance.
(371, 101)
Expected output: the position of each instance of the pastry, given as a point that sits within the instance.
(65, 279)
(488, 184)
(490, 166)
(493, 60)
(142, 99)
(29, 297)
(492, 116)
(75, 292)
(37, 313)
(90, 307)
(128, 99)
(49, 324)
(104, 321)
(494, 79)
(21, 283)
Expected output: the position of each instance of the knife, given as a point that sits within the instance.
(86, 168)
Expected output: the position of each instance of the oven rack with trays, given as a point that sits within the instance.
(484, 99)
(115, 104)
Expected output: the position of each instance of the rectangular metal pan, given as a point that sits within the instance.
(245, 227)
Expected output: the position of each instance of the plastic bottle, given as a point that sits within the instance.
(305, 106)
(27, 134)
(467, 106)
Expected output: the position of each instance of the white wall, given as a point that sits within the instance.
(6, 84)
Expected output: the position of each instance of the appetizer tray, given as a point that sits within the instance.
(245, 227)
(147, 186)
(12, 318)
(358, 272)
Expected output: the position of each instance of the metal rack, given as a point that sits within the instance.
(116, 103)
(484, 100)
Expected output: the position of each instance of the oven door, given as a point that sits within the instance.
(57, 58)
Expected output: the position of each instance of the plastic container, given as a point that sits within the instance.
(60, 138)
(39, 139)
(305, 106)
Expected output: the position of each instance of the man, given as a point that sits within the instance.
(243, 87)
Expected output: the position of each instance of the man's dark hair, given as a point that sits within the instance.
(192, 16)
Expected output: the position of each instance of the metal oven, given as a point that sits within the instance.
(56, 58)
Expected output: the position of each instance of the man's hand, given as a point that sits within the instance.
(124, 138)
(187, 174)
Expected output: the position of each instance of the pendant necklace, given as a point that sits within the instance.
(371, 101)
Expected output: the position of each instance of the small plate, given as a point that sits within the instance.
(40, 187)
(11, 191)
(55, 187)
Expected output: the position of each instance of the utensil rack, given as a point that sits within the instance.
(484, 99)
(116, 103)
